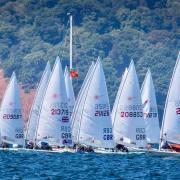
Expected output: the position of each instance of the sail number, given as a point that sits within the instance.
(150, 115)
(140, 134)
(101, 113)
(107, 134)
(19, 133)
(102, 110)
(12, 116)
(59, 112)
(131, 114)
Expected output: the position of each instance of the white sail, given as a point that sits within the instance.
(150, 110)
(171, 120)
(69, 90)
(118, 95)
(11, 120)
(35, 109)
(78, 107)
(95, 122)
(129, 125)
(54, 122)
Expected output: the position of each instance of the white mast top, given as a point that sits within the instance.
(70, 42)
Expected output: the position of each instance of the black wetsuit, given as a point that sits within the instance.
(120, 147)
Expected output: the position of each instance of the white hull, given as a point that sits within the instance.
(130, 151)
(39, 150)
(163, 153)
(9, 149)
(63, 150)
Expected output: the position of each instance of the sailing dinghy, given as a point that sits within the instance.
(128, 123)
(35, 109)
(54, 121)
(11, 120)
(170, 130)
(150, 110)
(94, 129)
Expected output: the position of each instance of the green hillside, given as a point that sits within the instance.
(147, 31)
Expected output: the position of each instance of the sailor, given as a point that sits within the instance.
(30, 145)
(4, 145)
(164, 143)
(149, 146)
(44, 145)
(82, 148)
(120, 147)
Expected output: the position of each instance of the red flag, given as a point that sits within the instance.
(73, 73)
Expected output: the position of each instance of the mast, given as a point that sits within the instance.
(70, 41)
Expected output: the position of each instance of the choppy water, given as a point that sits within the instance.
(38, 165)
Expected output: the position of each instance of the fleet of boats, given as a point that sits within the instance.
(58, 122)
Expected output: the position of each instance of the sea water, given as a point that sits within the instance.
(42, 165)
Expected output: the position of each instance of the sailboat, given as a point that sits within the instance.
(11, 120)
(128, 123)
(170, 130)
(95, 126)
(69, 90)
(150, 110)
(54, 121)
(35, 109)
(76, 114)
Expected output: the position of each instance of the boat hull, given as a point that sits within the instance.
(163, 153)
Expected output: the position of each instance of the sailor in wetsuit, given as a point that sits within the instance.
(120, 147)
(164, 144)
(82, 148)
